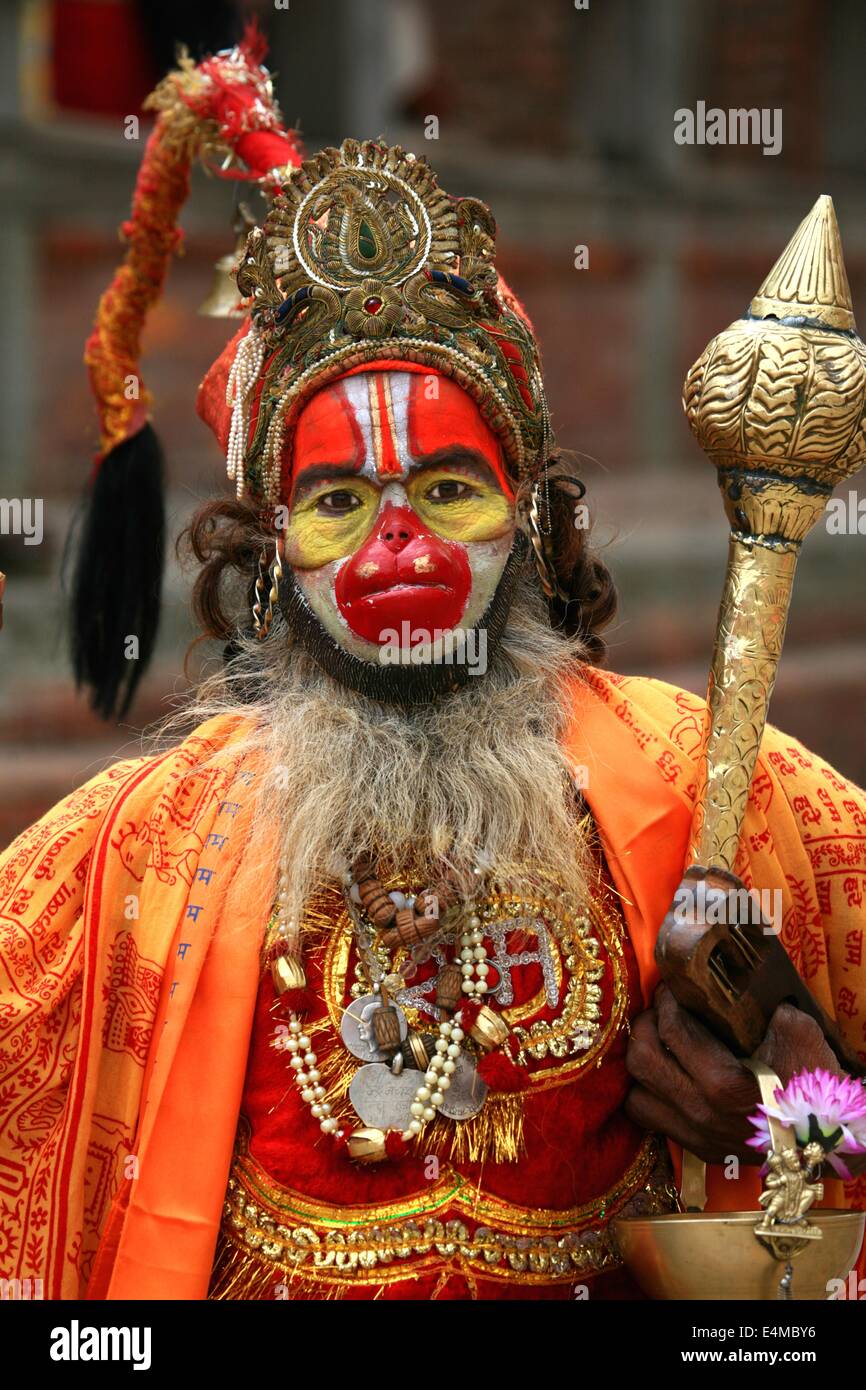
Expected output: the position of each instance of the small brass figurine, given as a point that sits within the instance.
(788, 1193)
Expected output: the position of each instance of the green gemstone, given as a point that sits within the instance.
(367, 244)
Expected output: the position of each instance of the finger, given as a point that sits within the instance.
(716, 1072)
(794, 1041)
(717, 877)
(654, 1114)
(657, 1070)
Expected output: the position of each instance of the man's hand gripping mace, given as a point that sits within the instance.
(777, 403)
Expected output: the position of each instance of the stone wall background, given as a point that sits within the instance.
(562, 120)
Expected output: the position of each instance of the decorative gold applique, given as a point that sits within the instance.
(568, 1025)
(273, 1236)
(581, 945)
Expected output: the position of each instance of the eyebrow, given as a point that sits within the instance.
(454, 453)
(447, 454)
(320, 471)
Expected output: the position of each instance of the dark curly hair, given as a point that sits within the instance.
(226, 537)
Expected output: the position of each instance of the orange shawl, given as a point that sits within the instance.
(131, 918)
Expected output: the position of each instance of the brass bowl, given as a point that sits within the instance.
(716, 1255)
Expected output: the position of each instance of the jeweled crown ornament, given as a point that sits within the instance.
(777, 403)
(362, 258)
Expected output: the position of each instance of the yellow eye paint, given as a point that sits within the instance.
(315, 536)
(481, 513)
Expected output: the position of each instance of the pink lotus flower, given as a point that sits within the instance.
(820, 1107)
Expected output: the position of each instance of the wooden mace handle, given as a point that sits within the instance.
(733, 977)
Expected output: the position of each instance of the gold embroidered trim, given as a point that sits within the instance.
(272, 1236)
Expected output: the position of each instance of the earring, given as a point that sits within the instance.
(263, 617)
(540, 534)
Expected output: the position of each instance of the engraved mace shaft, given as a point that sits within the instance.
(777, 403)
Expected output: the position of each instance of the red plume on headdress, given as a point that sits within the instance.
(223, 107)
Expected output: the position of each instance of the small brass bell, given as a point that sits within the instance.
(287, 973)
(489, 1029)
(224, 300)
(367, 1145)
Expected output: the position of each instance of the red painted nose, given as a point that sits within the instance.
(403, 573)
(397, 528)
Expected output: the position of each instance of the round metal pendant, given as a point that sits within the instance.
(356, 1028)
(467, 1092)
(381, 1099)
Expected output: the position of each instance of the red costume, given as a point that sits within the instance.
(180, 1053)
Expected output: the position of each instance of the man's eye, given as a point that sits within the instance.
(448, 490)
(337, 503)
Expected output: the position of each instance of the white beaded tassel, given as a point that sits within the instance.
(437, 1079)
(307, 1078)
(239, 389)
(288, 928)
(473, 959)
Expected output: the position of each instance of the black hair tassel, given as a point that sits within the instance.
(117, 581)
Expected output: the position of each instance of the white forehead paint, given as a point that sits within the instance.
(380, 404)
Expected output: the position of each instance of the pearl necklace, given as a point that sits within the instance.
(307, 1077)
(431, 1092)
(437, 1079)
(473, 957)
(243, 376)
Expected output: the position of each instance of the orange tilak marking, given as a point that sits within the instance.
(382, 420)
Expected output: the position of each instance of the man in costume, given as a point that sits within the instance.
(351, 992)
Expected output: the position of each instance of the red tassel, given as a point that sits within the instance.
(297, 1001)
(395, 1145)
(501, 1074)
(469, 1013)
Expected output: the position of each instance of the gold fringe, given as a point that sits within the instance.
(242, 1275)
(494, 1135)
(318, 924)
(181, 130)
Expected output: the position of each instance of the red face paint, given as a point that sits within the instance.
(403, 574)
(362, 422)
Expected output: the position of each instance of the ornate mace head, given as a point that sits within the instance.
(777, 403)
(777, 399)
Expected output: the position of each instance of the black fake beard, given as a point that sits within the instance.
(400, 684)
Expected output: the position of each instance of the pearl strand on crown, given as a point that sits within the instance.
(242, 379)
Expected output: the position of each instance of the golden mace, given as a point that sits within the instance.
(777, 403)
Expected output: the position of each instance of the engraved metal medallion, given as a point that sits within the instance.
(467, 1092)
(381, 1099)
(356, 1028)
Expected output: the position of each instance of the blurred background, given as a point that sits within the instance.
(563, 120)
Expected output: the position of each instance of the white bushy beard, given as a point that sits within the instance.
(476, 777)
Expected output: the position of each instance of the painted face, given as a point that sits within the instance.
(401, 517)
